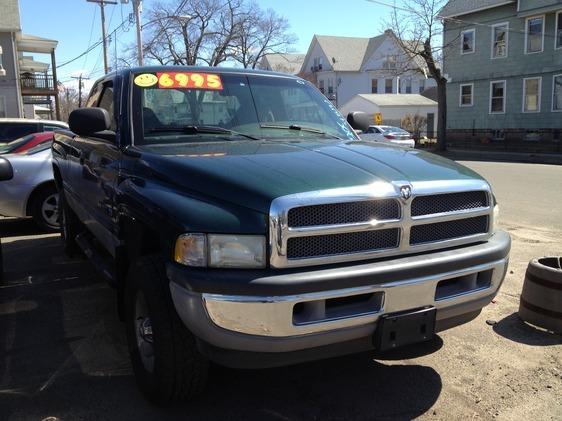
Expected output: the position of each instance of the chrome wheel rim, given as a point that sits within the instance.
(50, 210)
(143, 332)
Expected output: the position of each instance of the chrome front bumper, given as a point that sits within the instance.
(275, 316)
(276, 311)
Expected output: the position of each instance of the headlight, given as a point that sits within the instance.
(495, 217)
(221, 251)
(237, 251)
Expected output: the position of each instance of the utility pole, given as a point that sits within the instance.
(102, 4)
(137, 7)
(80, 79)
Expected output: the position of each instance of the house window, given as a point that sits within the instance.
(558, 36)
(557, 93)
(318, 62)
(2, 107)
(534, 34)
(408, 85)
(321, 86)
(532, 95)
(330, 87)
(497, 97)
(467, 41)
(374, 86)
(390, 62)
(422, 85)
(388, 86)
(466, 95)
(499, 40)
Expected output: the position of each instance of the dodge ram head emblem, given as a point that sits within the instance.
(405, 192)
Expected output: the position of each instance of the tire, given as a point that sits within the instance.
(167, 365)
(45, 208)
(70, 227)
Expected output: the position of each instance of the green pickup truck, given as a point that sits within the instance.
(242, 221)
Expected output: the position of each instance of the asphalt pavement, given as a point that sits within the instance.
(63, 352)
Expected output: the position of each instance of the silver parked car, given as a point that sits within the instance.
(390, 134)
(27, 187)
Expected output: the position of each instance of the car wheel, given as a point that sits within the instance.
(70, 227)
(45, 209)
(167, 365)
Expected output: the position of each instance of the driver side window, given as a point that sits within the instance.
(106, 102)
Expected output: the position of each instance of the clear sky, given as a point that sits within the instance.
(76, 25)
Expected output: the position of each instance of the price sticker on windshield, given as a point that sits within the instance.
(168, 80)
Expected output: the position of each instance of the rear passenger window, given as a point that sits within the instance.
(49, 128)
(106, 102)
(12, 131)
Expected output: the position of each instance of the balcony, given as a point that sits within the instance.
(37, 84)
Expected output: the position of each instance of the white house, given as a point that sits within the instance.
(282, 62)
(394, 107)
(343, 67)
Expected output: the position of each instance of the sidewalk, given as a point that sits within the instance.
(467, 155)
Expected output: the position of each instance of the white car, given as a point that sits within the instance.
(389, 134)
(27, 187)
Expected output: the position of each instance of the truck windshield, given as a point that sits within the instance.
(179, 107)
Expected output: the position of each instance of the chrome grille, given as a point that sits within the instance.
(344, 213)
(365, 222)
(449, 202)
(439, 231)
(352, 242)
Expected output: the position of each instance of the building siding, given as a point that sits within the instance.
(480, 69)
(9, 88)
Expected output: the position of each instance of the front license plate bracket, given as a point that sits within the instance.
(399, 329)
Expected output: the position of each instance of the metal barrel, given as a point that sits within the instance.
(541, 299)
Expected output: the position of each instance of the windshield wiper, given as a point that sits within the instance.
(192, 130)
(299, 128)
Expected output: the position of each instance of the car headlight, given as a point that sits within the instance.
(221, 250)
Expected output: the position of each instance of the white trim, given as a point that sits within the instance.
(468, 12)
(559, 13)
(471, 95)
(506, 24)
(504, 96)
(552, 96)
(539, 95)
(527, 33)
(473, 30)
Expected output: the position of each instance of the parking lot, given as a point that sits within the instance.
(63, 352)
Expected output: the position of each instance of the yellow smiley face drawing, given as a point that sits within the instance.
(146, 80)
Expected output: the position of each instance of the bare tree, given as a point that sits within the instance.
(414, 123)
(210, 32)
(68, 97)
(261, 33)
(418, 30)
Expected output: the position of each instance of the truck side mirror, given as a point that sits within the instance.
(359, 120)
(87, 121)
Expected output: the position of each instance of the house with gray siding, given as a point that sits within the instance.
(503, 63)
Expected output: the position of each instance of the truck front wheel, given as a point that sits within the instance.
(167, 365)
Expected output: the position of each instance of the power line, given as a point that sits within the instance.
(90, 37)
(102, 4)
(93, 46)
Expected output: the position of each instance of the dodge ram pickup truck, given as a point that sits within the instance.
(242, 221)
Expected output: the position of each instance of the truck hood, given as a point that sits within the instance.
(253, 173)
